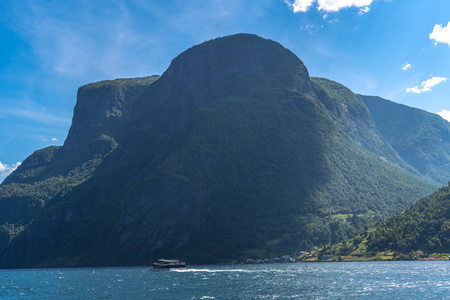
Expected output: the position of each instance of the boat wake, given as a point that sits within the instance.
(219, 271)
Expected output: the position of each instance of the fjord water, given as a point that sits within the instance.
(371, 280)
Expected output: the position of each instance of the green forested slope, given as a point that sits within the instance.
(218, 191)
(424, 226)
(420, 232)
(233, 151)
(421, 138)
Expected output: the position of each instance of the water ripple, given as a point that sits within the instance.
(371, 280)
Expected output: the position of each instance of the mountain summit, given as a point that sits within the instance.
(233, 152)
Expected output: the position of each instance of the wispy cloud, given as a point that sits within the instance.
(427, 85)
(308, 28)
(329, 5)
(406, 66)
(105, 39)
(100, 40)
(29, 110)
(441, 34)
(5, 170)
(445, 114)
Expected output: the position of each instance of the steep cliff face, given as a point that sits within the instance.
(421, 138)
(100, 116)
(233, 149)
(353, 117)
(102, 110)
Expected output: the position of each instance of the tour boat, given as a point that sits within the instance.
(168, 264)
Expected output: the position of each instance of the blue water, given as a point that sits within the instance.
(369, 280)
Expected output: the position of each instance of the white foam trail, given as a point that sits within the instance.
(221, 270)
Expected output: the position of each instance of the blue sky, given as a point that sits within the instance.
(395, 49)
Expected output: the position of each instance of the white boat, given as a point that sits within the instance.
(168, 264)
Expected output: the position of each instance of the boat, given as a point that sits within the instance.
(168, 264)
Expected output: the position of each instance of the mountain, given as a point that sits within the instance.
(421, 138)
(102, 110)
(233, 152)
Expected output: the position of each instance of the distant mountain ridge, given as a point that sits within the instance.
(421, 138)
(234, 151)
(356, 119)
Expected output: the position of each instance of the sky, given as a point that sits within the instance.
(395, 49)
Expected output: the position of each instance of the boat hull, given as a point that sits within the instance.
(168, 264)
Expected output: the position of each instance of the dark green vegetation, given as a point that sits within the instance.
(102, 110)
(424, 226)
(422, 139)
(235, 151)
(420, 232)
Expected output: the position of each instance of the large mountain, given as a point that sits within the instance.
(233, 151)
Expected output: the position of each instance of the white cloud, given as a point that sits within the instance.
(44, 139)
(445, 114)
(441, 34)
(363, 10)
(329, 5)
(5, 170)
(426, 85)
(299, 5)
(406, 66)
